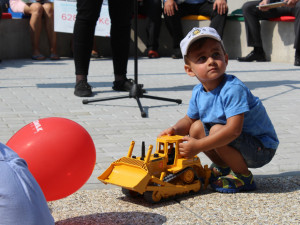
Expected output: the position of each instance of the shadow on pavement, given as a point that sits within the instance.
(132, 218)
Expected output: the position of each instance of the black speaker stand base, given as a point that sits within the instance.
(136, 92)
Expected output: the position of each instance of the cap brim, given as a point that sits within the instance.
(197, 37)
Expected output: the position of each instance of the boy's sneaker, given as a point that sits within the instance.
(124, 85)
(218, 171)
(234, 183)
(83, 89)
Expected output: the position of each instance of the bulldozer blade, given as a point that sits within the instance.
(129, 176)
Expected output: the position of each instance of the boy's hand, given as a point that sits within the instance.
(188, 148)
(170, 131)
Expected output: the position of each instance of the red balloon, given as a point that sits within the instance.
(59, 152)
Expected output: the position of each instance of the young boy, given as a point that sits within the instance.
(224, 120)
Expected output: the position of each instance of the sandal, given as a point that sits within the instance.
(234, 183)
(38, 57)
(218, 171)
(54, 57)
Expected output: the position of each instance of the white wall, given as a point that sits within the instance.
(235, 4)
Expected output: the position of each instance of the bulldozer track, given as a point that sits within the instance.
(171, 176)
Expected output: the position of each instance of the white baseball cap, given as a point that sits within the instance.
(197, 33)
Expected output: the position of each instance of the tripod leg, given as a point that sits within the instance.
(179, 101)
(86, 101)
(143, 113)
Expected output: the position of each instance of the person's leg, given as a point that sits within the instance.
(217, 21)
(94, 53)
(230, 156)
(121, 12)
(35, 23)
(88, 12)
(297, 34)
(218, 167)
(286, 11)
(153, 24)
(174, 26)
(240, 154)
(199, 131)
(222, 158)
(252, 23)
(252, 17)
(49, 21)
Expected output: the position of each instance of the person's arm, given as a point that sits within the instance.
(182, 127)
(221, 5)
(169, 7)
(291, 3)
(230, 131)
(264, 2)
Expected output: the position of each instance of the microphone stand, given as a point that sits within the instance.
(137, 90)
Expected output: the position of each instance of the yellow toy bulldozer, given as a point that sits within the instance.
(157, 176)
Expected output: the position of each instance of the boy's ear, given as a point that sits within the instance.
(226, 59)
(189, 70)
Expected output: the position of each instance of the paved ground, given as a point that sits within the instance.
(31, 90)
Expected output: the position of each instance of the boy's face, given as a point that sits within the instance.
(208, 63)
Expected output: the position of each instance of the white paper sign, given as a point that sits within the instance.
(65, 16)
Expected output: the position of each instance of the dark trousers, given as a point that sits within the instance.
(253, 16)
(88, 12)
(153, 10)
(174, 25)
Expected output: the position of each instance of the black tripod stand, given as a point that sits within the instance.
(137, 90)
